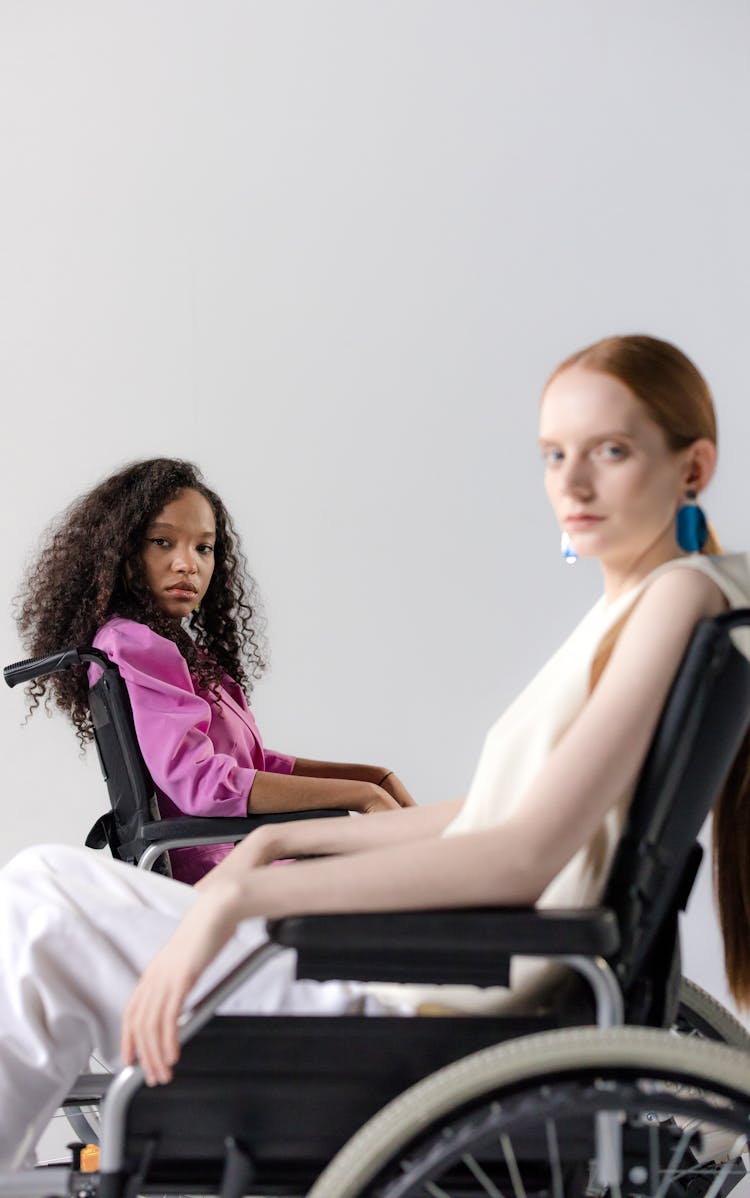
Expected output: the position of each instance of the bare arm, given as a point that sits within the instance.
(602, 753)
(287, 792)
(588, 771)
(326, 837)
(306, 767)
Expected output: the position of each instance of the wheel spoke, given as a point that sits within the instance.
(718, 1181)
(674, 1160)
(558, 1188)
(510, 1160)
(653, 1154)
(478, 1172)
(435, 1191)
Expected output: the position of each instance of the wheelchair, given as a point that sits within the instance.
(654, 1099)
(133, 828)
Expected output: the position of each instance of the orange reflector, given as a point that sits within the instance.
(90, 1158)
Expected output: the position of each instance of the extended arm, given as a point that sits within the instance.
(588, 771)
(326, 837)
(285, 792)
(324, 784)
(386, 779)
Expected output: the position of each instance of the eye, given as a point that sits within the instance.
(612, 452)
(160, 542)
(204, 550)
(552, 456)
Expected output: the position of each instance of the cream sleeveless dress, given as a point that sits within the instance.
(516, 748)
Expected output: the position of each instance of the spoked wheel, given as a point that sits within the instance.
(545, 1116)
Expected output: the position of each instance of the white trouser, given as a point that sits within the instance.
(76, 931)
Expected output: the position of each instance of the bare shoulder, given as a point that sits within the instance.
(683, 590)
(659, 626)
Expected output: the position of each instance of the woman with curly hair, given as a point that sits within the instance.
(148, 568)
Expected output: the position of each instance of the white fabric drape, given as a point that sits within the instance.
(76, 931)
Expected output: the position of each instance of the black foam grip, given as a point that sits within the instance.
(35, 667)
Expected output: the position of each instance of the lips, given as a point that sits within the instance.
(182, 589)
(582, 520)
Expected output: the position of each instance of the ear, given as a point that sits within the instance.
(699, 466)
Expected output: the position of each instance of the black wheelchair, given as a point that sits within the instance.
(654, 1099)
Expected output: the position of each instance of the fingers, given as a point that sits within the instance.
(403, 798)
(127, 1044)
(396, 788)
(149, 1032)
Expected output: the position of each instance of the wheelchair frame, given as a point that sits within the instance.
(623, 1077)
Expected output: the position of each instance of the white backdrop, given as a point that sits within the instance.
(330, 251)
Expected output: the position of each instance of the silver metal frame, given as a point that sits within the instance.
(610, 1012)
(128, 1080)
(601, 978)
(151, 855)
(610, 1007)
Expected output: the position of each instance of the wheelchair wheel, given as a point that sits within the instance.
(700, 1014)
(524, 1119)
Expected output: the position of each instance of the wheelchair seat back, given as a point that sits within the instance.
(699, 735)
(132, 792)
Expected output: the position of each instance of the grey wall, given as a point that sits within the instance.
(330, 251)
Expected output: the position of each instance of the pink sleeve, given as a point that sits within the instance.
(278, 763)
(172, 723)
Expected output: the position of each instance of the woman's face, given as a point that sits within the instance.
(612, 480)
(178, 553)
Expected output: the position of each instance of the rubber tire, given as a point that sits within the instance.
(709, 1010)
(695, 1062)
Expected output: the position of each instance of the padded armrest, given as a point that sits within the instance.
(472, 946)
(229, 826)
(88, 1089)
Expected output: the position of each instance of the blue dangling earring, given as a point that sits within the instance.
(692, 529)
(570, 557)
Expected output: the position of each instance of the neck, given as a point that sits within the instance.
(624, 573)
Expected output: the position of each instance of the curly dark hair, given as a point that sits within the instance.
(90, 569)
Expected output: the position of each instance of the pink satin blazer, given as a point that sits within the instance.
(203, 761)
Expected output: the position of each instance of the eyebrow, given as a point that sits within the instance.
(611, 435)
(166, 524)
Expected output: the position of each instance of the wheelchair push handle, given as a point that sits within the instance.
(51, 663)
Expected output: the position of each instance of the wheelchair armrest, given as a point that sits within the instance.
(230, 827)
(88, 1088)
(471, 946)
